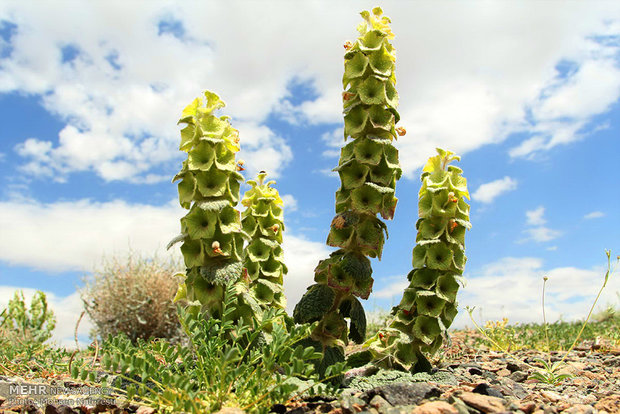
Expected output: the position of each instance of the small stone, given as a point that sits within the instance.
(579, 409)
(435, 407)
(145, 410)
(527, 408)
(503, 372)
(551, 396)
(379, 403)
(486, 389)
(484, 403)
(518, 376)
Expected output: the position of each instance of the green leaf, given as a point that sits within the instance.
(229, 220)
(426, 329)
(367, 151)
(439, 256)
(447, 287)
(314, 304)
(354, 67)
(212, 183)
(193, 254)
(187, 190)
(372, 91)
(355, 121)
(419, 256)
(258, 250)
(424, 278)
(428, 303)
(199, 224)
(367, 199)
(381, 62)
(353, 175)
(201, 157)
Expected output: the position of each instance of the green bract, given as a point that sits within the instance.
(368, 169)
(428, 306)
(211, 231)
(264, 223)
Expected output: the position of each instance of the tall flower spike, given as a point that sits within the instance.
(429, 305)
(368, 170)
(263, 221)
(211, 231)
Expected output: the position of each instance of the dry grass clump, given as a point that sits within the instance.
(134, 296)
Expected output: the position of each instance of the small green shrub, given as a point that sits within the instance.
(22, 325)
(133, 296)
(217, 369)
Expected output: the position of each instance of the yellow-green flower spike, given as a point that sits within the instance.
(209, 188)
(429, 305)
(263, 221)
(368, 170)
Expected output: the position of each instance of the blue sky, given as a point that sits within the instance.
(527, 95)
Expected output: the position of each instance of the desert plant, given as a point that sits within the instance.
(429, 305)
(20, 325)
(263, 221)
(368, 170)
(211, 231)
(133, 295)
(216, 369)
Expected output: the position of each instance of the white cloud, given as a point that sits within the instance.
(500, 78)
(393, 290)
(538, 233)
(334, 140)
(487, 192)
(301, 257)
(290, 203)
(593, 215)
(262, 150)
(541, 234)
(66, 310)
(66, 236)
(75, 235)
(512, 287)
(535, 217)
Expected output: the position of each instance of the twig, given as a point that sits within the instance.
(96, 352)
(77, 345)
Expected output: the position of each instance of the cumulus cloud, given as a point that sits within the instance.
(301, 257)
(65, 236)
(487, 192)
(538, 232)
(511, 287)
(593, 215)
(120, 100)
(290, 202)
(535, 217)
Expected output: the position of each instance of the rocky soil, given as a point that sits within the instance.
(468, 381)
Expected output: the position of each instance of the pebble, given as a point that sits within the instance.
(484, 403)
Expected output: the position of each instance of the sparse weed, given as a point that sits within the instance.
(550, 372)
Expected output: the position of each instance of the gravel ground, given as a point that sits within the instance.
(468, 381)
